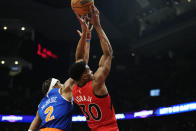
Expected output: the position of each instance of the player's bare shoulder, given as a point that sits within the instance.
(99, 89)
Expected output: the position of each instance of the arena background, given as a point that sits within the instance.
(154, 43)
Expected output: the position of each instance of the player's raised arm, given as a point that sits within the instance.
(83, 47)
(105, 61)
(82, 52)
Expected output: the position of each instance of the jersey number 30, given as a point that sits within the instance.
(89, 112)
(49, 111)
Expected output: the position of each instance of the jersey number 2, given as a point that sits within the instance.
(49, 111)
(98, 117)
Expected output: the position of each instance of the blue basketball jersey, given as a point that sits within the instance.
(55, 111)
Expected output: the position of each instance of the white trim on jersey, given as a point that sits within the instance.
(53, 82)
(65, 98)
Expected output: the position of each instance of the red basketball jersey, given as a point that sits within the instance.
(99, 112)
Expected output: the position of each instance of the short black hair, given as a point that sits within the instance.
(76, 70)
(46, 85)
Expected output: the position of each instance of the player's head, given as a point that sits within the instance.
(50, 84)
(80, 72)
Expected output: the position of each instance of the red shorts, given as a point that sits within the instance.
(109, 127)
(105, 129)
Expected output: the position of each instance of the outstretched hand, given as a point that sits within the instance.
(85, 26)
(94, 13)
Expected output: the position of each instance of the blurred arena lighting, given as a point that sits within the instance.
(143, 114)
(189, 1)
(174, 109)
(78, 118)
(18, 27)
(15, 68)
(23, 28)
(180, 108)
(2, 62)
(14, 118)
(5, 28)
(45, 53)
(155, 92)
(132, 54)
(15, 64)
(120, 116)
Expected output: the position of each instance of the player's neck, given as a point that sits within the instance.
(81, 84)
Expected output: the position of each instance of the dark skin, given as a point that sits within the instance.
(66, 88)
(99, 77)
(83, 48)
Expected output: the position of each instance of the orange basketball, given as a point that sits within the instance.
(81, 7)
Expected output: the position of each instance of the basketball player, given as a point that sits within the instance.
(90, 91)
(55, 109)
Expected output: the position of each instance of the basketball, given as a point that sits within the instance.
(81, 7)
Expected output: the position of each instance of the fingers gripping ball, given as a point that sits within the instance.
(81, 7)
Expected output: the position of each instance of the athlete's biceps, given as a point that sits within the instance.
(101, 61)
(100, 76)
(106, 65)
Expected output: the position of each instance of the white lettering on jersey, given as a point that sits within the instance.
(83, 98)
(50, 100)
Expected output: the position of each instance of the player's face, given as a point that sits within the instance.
(87, 75)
